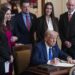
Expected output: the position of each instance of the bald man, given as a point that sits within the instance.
(48, 50)
(67, 29)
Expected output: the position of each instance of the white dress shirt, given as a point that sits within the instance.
(49, 23)
(71, 12)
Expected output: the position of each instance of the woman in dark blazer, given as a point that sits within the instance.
(6, 38)
(4, 47)
(47, 21)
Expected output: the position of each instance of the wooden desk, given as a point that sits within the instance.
(48, 70)
(23, 47)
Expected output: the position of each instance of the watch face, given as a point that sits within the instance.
(72, 71)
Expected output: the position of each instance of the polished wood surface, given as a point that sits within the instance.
(22, 55)
(48, 70)
(23, 47)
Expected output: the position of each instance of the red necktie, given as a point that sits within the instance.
(28, 22)
(69, 17)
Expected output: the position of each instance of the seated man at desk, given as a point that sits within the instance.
(48, 50)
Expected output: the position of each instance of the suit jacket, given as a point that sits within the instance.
(42, 26)
(39, 54)
(67, 31)
(20, 30)
(4, 52)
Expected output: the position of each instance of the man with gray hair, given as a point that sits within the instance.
(48, 50)
(67, 29)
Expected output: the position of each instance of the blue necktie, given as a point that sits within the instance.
(50, 53)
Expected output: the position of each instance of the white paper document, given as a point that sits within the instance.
(6, 66)
(62, 64)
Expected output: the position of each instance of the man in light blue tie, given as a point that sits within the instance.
(48, 51)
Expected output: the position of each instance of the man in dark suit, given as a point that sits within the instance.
(24, 24)
(67, 29)
(48, 51)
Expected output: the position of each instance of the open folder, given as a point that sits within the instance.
(62, 64)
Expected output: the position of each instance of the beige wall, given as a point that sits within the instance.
(2, 1)
(37, 11)
(64, 5)
(59, 7)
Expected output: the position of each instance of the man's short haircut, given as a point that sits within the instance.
(51, 33)
(24, 1)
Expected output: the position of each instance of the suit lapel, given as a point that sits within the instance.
(70, 24)
(22, 22)
(73, 16)
(31, 18)
(44, 23)
(44, 51)
(66, 17)
(53, 22)
(66, 22)
(53, 52)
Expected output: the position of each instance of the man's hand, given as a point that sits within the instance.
(68, 44)
(11, 59)
(14, 39)
(70, 60)
(55, 61)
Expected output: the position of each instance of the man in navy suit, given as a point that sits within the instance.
(48, 50)
(24, 24)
